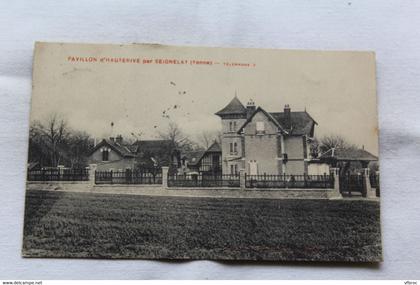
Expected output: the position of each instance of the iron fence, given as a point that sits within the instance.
(289, 181)
(58, 174)
(193, 180)
(153, 176)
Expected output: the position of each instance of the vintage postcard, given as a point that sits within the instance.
(163, 152)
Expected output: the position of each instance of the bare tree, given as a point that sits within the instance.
(38, 150)
(207, 138)
(53, 143)
(77, 149)
(178, 138)
(334, 141)
(56, 134)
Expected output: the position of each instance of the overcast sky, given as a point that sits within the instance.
(336, 88)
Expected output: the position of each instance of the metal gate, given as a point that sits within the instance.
(352, 184)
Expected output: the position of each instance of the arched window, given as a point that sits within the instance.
(235, 147)
(234, 126)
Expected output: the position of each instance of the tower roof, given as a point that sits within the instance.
(234, 107)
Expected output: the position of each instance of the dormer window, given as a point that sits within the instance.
(260, 128)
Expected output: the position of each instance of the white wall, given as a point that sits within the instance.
(318, 169)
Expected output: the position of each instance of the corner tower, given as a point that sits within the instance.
(233, 117)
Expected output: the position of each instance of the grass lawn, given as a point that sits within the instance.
(64, 224)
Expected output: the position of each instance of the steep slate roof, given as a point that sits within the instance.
(160, 150)
(122, 150)
(269, 116)
(215, 147)
(348, 154)
(194, 157)
(301, 122)
(198, 155)
(152, 145)
(234, 107)
(131, 150)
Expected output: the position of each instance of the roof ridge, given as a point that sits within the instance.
(259, 108)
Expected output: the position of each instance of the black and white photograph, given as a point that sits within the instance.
(148, 151)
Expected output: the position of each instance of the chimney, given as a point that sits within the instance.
(119, 139)
(112, 139)
(287, 117)
(250, 108)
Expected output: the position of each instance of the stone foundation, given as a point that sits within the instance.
(158, 190)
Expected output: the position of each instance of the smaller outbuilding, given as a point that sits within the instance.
(207, 162)
(347, 159)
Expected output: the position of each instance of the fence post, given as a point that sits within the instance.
(92, 171)
(165, 170)
(367, 188)
(60, 169)
(242, 179)
(335, 172)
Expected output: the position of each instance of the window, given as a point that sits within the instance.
(260, 127)
(233, 169)
(233, 147)
(105, 155)
(232, 126)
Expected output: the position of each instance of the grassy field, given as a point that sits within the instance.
(63, 224)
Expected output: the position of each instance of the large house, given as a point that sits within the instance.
(264, 142)
(117, 155)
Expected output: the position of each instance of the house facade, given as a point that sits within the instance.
(264, 142)
(117, 155)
